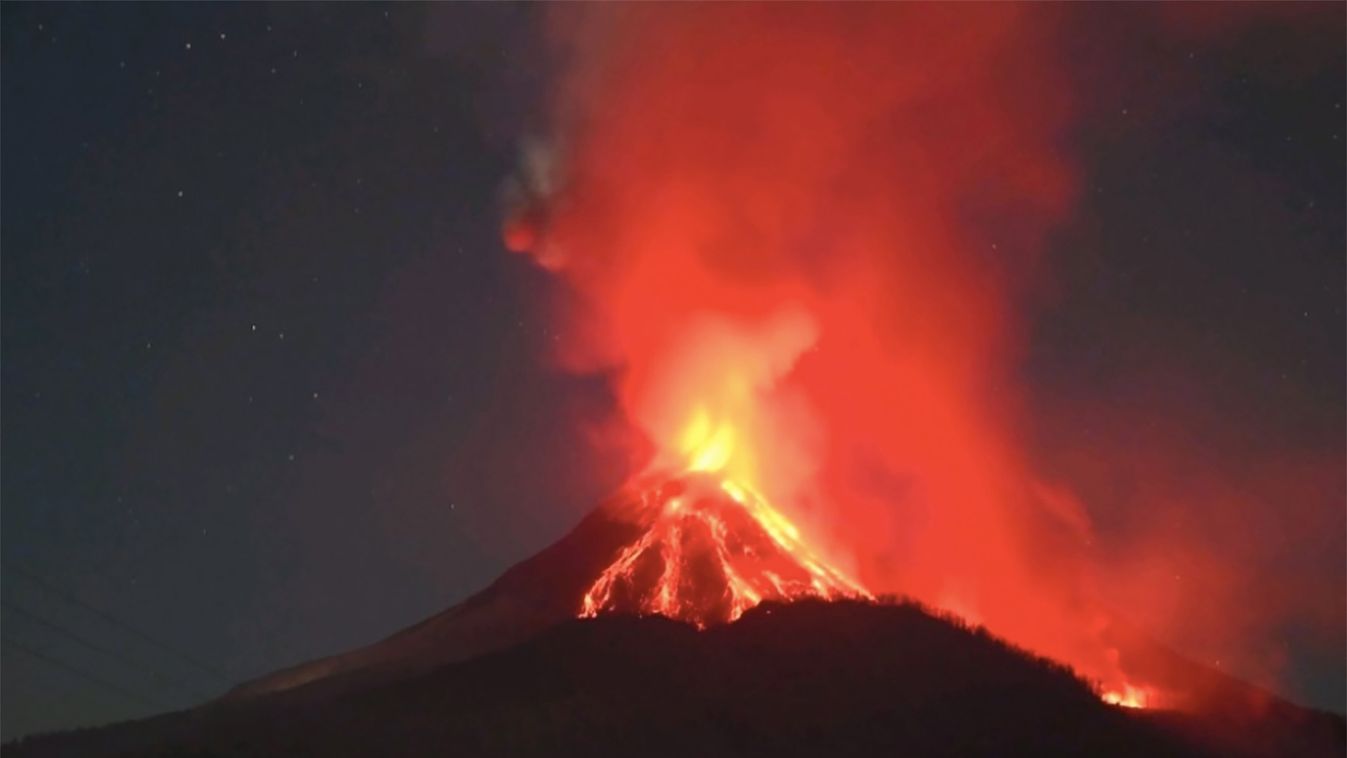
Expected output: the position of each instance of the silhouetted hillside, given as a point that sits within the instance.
(811, 678)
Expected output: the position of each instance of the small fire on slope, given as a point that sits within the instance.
(712, 548)
(1128, 697)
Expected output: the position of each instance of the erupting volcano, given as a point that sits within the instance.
(712, 546)
(711, 550)
(832, 378)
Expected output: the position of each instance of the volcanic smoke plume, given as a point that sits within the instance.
(795, 237)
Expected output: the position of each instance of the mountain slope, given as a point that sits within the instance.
(809, 678)
(531, 596)
(512, 671)
(690, 547)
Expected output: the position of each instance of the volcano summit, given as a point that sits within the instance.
(710, 550)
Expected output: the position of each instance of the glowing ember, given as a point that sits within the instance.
(1127, 697)
(712, 547)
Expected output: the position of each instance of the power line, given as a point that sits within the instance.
(71, 598)
(94, 646)
(60, 664)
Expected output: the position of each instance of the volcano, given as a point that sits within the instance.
(686, 615)
(693, 547)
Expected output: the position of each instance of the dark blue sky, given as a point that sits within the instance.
(269, 381)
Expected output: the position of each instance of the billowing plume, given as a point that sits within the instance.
(801, 231)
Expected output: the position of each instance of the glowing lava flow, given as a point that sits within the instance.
(712, 548)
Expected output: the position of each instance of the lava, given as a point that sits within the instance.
(712, 550)
(712, 547)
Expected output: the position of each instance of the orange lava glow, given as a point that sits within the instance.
(712, 547)
(1128, 697)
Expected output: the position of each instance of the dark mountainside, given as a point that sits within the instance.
(547, 589)
(809, 678)
(511, 671)
(531, 596)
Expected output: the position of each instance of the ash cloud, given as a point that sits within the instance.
(894, 173)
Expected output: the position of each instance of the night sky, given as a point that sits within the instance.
(271, 386)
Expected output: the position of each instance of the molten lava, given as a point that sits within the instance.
(711, 547)
(711, 550)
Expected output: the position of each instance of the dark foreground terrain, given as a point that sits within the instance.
(813, 678)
